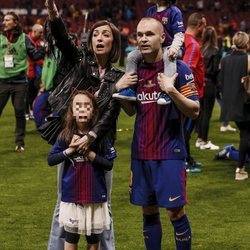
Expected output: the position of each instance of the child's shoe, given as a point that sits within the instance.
(125, 94)
(163, 99)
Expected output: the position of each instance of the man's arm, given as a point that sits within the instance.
(187, 106)
(60, 34)
(34, 53)
(191, 56)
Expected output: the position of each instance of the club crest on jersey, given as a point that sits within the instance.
(164, 20)
(149, 84)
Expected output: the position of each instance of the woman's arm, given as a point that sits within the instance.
(62, 38)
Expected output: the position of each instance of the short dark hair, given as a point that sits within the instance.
(116, 46)
(195, 19)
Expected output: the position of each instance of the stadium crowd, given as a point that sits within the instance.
(39, 51)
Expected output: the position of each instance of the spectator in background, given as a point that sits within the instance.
(234, 107)
(15, 46)
(211, 56)
(194, 58)
(34, 70)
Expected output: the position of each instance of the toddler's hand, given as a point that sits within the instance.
(172, 53)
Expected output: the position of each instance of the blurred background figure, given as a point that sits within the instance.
(34, 70)
(234, 107)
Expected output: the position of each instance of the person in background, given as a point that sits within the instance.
(211, 56)
(194, 59)
(34, 70)
(83, 206)
(234, 107)
(15, 46)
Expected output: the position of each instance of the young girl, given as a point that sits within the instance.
(171, 17)
(83, 208)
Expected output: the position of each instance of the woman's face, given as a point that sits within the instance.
(102, 40)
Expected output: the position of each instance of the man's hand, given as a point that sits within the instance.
(166, 84)
(127, 80)
(172, 53)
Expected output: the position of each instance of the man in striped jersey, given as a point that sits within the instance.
(158, 148)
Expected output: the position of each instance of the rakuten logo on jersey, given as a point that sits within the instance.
(145, 98)
(189, 77)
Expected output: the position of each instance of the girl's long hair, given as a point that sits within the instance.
(70, 126)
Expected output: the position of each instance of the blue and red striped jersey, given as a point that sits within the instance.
(82, 183)
(158, 130)
(172, 20)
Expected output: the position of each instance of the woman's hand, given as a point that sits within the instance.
(166, 84)
(127, 80)
(81, 144)
(71, 149)
(49, 4)
(52, 9)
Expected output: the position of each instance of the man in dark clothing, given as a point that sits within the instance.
(14, 48)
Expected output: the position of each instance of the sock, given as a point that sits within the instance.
(152, 231)
(182, 233)
(233, 154)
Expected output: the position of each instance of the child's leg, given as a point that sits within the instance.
(169, 70)
(170, 67)
(134, 57)
(128, 94)
(93, 241)
(71, 241)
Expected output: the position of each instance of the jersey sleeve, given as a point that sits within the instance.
(185, 82)
(191, 56)
(176, 21)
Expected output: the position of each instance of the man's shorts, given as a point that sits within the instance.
(158, 182)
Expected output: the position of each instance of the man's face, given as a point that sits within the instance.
(82, 108)
(202, 26)
(102, 40)
(38, 33)
(9, 23)
(150, 36)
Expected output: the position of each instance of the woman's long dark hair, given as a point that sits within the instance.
(116, 46)
(209, 38)
(70, 125)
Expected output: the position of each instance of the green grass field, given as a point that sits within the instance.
(218, 205)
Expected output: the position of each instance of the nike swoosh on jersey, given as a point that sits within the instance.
(174, 198)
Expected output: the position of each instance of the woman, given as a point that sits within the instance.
(234, 107)
(211, 56)
(96, 74)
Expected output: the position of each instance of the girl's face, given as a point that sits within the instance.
(102, 40)
(82, 108)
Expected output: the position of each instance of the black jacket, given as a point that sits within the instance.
(211, 63)
(233, 68)
(86, 71)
